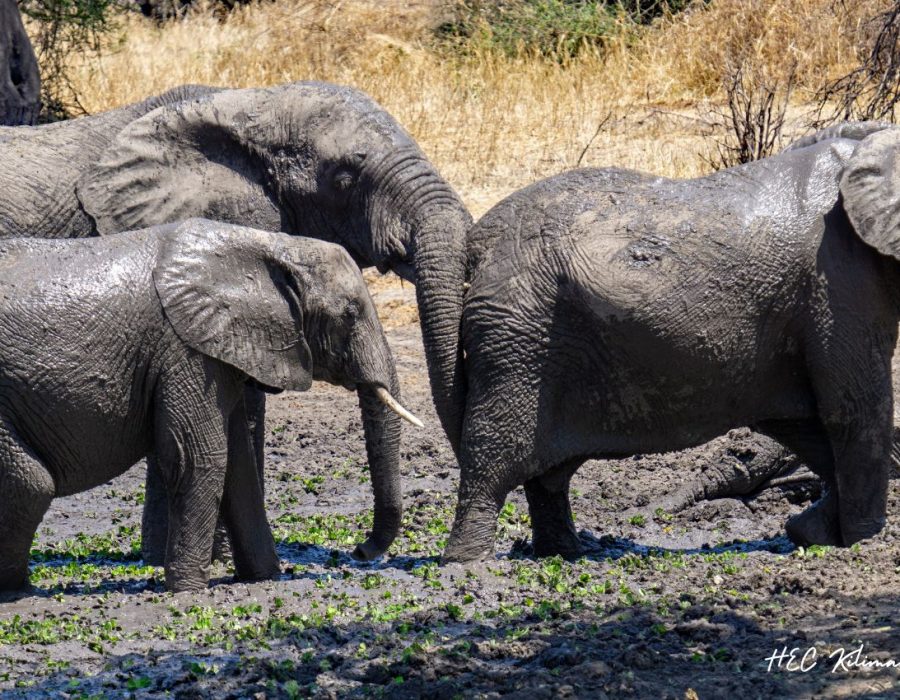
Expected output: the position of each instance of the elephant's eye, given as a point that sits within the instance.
(344, 180)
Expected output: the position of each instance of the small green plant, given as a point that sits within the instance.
(637, 520)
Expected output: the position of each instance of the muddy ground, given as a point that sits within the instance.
(682, 605)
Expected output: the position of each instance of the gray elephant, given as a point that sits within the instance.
(612, 312)
(306, 158)
(115, 348)
(20, 80)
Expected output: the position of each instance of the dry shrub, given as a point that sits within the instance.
(751, 124)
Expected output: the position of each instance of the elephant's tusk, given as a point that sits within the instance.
(395, 406)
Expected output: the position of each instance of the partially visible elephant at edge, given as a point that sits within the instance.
(115, 348)
(613, 312)
(20, 79)
(312, 159)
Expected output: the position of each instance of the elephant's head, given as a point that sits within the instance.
(284, 311)
(311, 159)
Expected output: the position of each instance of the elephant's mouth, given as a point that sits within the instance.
(402, 267)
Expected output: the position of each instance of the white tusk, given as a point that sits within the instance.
(395, 406)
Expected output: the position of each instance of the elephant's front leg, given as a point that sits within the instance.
(552, 525)
(155, 516)
(243, 505)
(194, 403)
(857, 414)
(195, 477)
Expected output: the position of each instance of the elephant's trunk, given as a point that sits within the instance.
(439, 257)
(431, 236)
(381, 424)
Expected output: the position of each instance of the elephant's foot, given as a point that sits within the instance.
(14, 579)
(368, 550)
(565, 544)
(854, 530)
(472, 537)
(272, 573)
(553, 529)
(818, 524)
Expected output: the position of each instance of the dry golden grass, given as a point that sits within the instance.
(491, 124)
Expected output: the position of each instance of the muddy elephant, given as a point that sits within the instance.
(115, 348)
(313, 159)
(612, 313)
(20, 80)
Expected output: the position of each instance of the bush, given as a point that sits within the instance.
(67, 28)
(556, 29)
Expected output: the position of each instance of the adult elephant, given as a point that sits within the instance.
(306, 158)
(20, 80)
(612, 312)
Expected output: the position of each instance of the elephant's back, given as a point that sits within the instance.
(41, 165)
(41, 276)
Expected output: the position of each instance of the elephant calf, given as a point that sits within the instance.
(118, 347)
(613, 313)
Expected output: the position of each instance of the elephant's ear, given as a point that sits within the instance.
(229, 295)
(190, 158)
(852, 131)
(870, 186)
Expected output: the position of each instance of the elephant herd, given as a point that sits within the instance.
(598, 313)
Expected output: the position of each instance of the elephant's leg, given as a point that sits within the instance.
(552, 525)
(26, 489)
(855, 403)
(155, 522)
(243, 508)
(155, 518)
(195, 487)
(255, 403)
(495, 456)
(810, 441)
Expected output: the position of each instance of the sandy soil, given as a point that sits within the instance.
(680, 605)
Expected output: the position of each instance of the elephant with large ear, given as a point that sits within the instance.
(20, 80)
(115, 348)
(312, 159)
(613, 313)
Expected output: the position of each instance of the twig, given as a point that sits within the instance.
(591, 140)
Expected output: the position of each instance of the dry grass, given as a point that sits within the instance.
(492, 124)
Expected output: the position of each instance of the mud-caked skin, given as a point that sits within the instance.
(20, 80)
(310, 159)
(613, 313)
(142, 343)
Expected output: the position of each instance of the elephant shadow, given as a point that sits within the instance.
(609, 547)
(294, 555)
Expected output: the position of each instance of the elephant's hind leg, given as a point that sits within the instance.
(26, 490)
(496, 455)
(552, 525)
